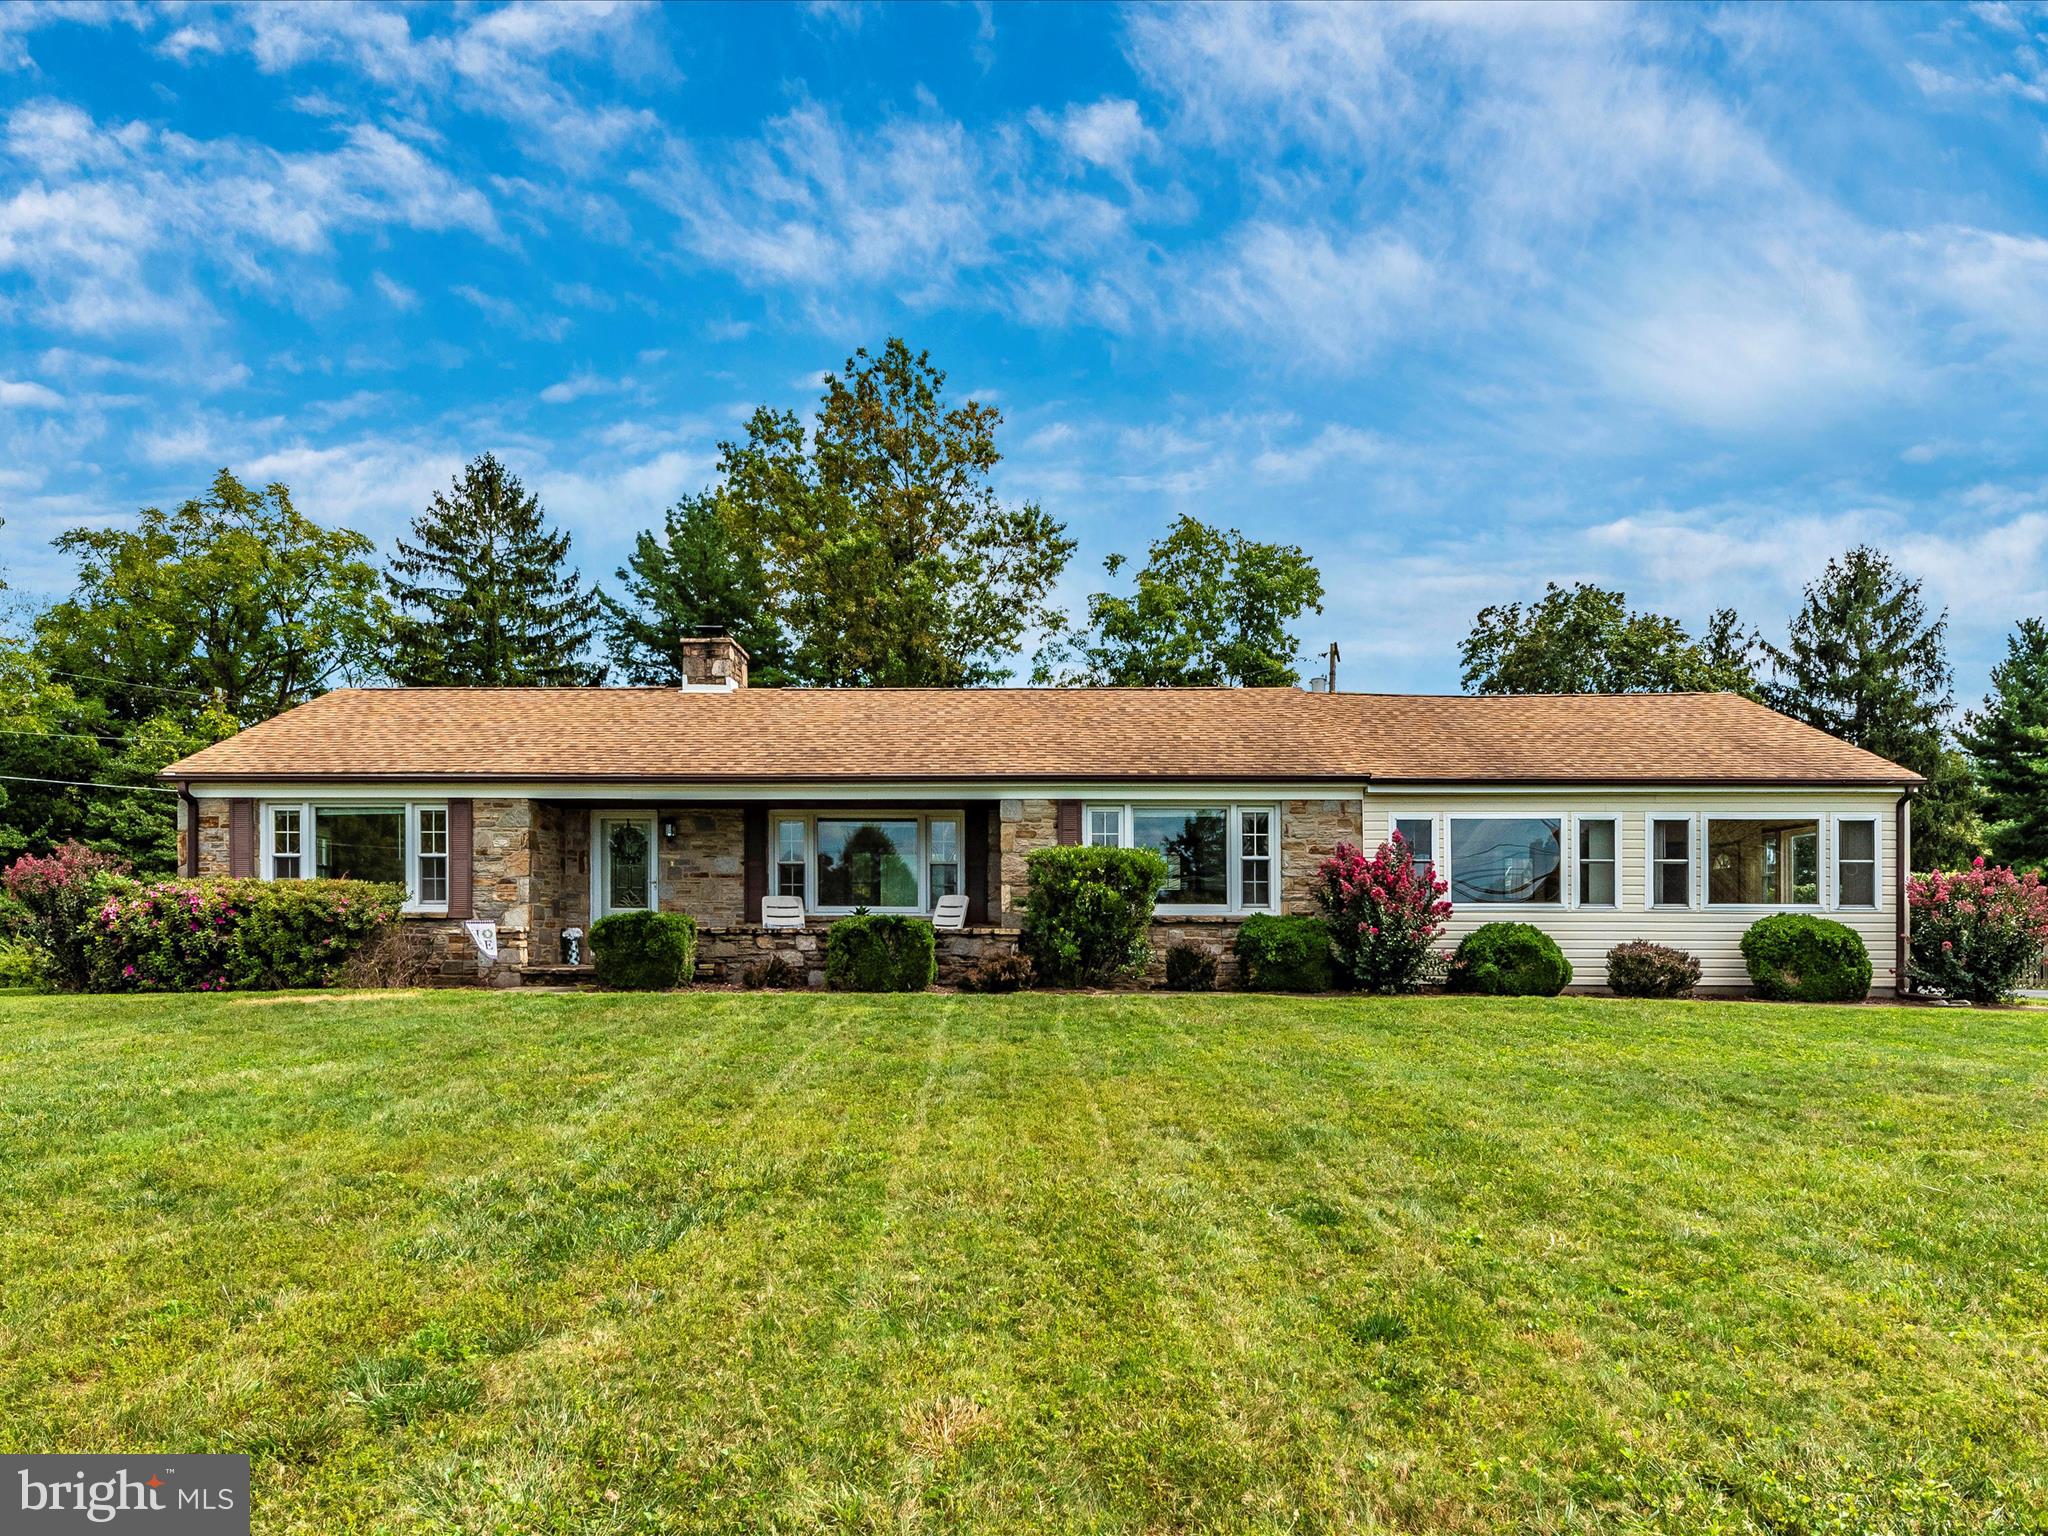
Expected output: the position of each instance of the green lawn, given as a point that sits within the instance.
(750, 1263)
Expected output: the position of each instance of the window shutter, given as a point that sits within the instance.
(975, 873)
(242, 838)
(1067, 826)
(461, 858)
(754, 861)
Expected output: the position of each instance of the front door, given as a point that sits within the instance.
(623, 869)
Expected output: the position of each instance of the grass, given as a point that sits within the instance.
(498, 1263)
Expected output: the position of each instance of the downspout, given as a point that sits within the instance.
(189, 804)
(1902, 845)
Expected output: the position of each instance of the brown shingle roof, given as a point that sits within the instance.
(1032, 734)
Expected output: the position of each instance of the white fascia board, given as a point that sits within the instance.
(870, 793)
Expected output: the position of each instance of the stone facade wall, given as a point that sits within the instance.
(561, 878)
(213, 838)
(703, 870)
(1310, 831)
(1022, 827)
(723, 954)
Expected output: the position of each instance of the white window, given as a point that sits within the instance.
(1766, 861)
(397, 844)
(1856, 862)
(1419, 833)
(1255, 856)
(1598, 863)
(1507, 860)
(1670, 861)
(789, 857)
(1219, 857)
(285, 850)
(943, 857)
(432, 823)
(885, 861)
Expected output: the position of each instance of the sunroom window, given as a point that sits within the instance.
(789, 858)
(287, 855)
(1506, 860)
(1419, 833)
(944, 858)
(1766, 862)
(1856, 863)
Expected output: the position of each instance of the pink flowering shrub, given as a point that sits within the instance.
(217, 935)
(59, 893)
(1977, 931)
(1383, 914)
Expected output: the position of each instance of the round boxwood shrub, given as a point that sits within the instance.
(1642, 969)
(1509, 960)
(1794, 957)
(880, 952)
(1088, 912)
(644, 951)
(1284, 954)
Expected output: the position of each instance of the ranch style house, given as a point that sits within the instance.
(1679, 818)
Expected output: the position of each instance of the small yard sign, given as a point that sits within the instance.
(484, 936)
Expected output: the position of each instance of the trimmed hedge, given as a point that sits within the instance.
(215, 935)
(1088, 912)
(1795, 957)
(880, 952)
(1642, 969)
(644, 951)
(1509, 960)
(1190, 968)
(1284, 954)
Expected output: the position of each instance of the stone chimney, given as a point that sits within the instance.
(713, 659)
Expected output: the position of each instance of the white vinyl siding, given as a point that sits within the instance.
(1714, 934)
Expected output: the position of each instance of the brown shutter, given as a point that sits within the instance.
(754, 860)
(974, 877)
(461, 858)
(242, 838)
(1067, 825)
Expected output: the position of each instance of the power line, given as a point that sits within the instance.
(63, 735)
(106, 677)
(126, 789)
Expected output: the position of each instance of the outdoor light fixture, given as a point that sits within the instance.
(668, 828)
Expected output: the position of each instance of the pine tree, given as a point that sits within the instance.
(485, 594)
(2008, 738)
(693, 573)
(1863, 661)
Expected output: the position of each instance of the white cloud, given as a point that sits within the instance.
(1291, 291)
(25, 394)
(116, 223)
(395, 293)
(579, 385)
(1110, 134)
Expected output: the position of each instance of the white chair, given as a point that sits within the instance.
(950, 912)
(782, 911)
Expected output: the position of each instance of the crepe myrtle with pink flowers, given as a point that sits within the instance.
(1383, 913)
(1976, 931)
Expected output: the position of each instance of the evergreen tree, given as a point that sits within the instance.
(2008, 739)
(1863, 661)
(692, 574)
(484, 592)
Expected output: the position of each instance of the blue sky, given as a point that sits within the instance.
(1461, 300)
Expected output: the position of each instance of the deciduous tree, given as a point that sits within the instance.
(1209, 608)
(890, 557)
(1584, 639)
